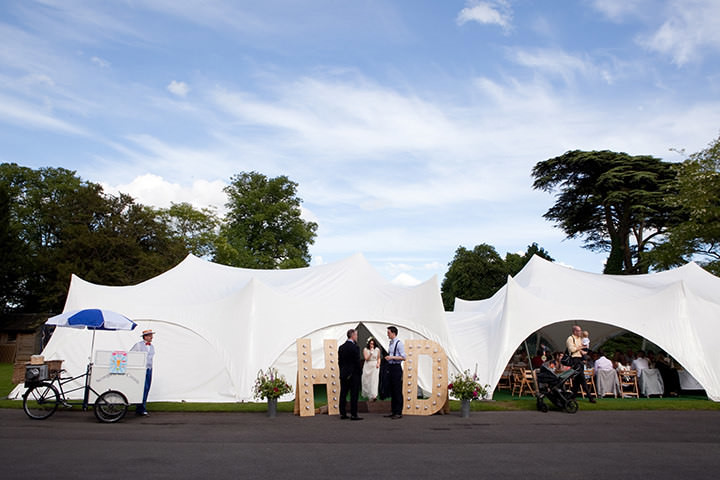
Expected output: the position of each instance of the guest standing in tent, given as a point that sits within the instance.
(371, 370)
(395, 358)
(574, 347)
(350, 375)
(145, 345)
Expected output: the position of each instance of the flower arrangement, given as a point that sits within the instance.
(270, 384)
(464, 386)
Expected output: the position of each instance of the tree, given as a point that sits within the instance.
(197, 229)
(479, 273)
(263, 227)
(612, 200)
(64, 225)
(516, 262)
(696, 192)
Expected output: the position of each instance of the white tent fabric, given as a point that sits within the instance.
(678, 310)
(217, 326)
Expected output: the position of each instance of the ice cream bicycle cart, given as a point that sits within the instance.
(111, 383)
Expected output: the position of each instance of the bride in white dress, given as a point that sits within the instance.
(371, 370)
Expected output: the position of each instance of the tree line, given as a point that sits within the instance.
(53, 224)
(646, 213)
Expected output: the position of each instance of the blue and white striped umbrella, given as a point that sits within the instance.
(93, 319)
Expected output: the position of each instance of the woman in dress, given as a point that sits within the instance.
(371, 370)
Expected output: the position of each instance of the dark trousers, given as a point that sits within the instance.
(396, 395)
(349, 384)
(579, 366)
(148, 381)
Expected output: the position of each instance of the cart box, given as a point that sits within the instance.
(119, 370)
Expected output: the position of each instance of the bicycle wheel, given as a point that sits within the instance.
(40, 401)
(110, 406)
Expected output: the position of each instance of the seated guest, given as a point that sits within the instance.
(537, 360)
(601, 362)
(651, 358)
(640, 363)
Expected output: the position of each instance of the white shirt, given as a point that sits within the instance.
(603, 363)
(141, 346)
(640, 364)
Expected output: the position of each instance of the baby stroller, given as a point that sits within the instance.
(552, 387)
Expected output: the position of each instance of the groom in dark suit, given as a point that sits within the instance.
(350, 374)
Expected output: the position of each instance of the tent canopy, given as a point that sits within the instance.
(674, 309)
(217, 326)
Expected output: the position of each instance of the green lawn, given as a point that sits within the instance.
(502, 402)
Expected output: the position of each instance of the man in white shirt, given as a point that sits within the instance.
(602, 362)
(145, 345)
(640, 363)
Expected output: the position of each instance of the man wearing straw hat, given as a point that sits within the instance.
(145, 345)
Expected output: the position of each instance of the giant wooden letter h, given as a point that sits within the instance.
(308, 377)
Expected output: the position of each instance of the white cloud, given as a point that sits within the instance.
(495, 12)
(691, 27)
(180, 89)
(553, 61)
(27, 115)
(405, 280)
(620, 10)
(154, 190)
(100, 62)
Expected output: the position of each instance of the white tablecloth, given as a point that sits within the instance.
(688, 382)
(606, 382)
(650, 382)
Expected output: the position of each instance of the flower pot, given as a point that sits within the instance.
(465, 408)
(272, 407)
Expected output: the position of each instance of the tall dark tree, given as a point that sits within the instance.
(66, 225)
(697, 193)
(263, 227)
(612, 200)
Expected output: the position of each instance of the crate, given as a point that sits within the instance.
(35, 374)
(54, 367)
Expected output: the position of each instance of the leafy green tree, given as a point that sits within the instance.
(612, 200)
(196, 228)
(697, 193)
(263, 227)
(516, 262)
(65, 225)
(479, 273)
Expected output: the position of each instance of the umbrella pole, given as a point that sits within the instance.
(86, 396)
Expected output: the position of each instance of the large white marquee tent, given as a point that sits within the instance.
(678, 310)
(218, 325)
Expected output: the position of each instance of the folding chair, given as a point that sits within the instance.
(590, 380)
(628, 384)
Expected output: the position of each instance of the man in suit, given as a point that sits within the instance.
(350, 374)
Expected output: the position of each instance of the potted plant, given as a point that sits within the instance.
(466, 388)
(271, 385)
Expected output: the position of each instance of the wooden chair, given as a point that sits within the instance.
(590, 380)
(527, 382)
(628, 384)
(517, 380)
(505, 381)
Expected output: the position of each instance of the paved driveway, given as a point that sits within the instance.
(616, 445)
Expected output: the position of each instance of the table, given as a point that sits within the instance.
(688, 382)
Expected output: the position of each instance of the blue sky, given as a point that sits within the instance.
(411, 127)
